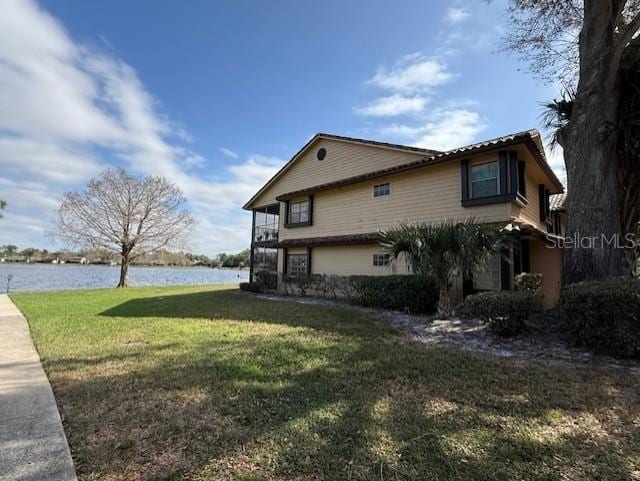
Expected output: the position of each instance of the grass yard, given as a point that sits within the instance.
(208, 383)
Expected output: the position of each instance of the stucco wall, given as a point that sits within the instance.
(548, 262)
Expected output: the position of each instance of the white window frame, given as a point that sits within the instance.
(382, 190)
(497, 179)
(300, 267)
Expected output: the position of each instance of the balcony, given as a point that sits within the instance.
(265, 226)
(265, 234)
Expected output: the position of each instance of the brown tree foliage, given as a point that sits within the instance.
(124, 214)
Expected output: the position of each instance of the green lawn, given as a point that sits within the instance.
(212, 384)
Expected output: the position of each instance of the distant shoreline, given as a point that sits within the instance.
(66, 264)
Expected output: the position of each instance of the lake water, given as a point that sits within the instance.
(50, 277)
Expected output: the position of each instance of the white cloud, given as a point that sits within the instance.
(457, 15)
(447, 129)
(228, 152)
(393, 105)
(413, 73)
(68, 111)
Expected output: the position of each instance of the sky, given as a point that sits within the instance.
(217, 96)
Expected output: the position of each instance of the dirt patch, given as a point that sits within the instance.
(544, 339)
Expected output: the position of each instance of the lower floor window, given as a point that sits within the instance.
(381, 259)
(296, 264)
(489, 279)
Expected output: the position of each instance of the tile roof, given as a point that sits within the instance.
(368, 238)
(379, 144)
(532, 137)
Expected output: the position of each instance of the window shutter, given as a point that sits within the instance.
(541, 201)
(310, 210)
(547, 206)
(503, 171)
(464, 178)
(308, 260)
(513, 172)
(522, 179)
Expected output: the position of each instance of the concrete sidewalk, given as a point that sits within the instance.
(33, 446)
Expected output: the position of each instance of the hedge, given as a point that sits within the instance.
(250, 287)
(400, 292)
(412, 293)
(604, 315)
(266, 279)
(504, 311)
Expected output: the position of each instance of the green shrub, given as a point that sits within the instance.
(531, 282)
(504, 311)
(250, 287)
(412, 293)
(604, 315)
(296, 285)
(266, 279)
(340, 286)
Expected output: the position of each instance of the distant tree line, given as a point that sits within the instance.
(104, 256)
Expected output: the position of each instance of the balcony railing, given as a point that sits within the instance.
(265, 234)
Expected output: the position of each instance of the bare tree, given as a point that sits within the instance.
(124, 214)
(586, 45)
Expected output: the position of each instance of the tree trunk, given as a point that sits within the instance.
(124, 271)
(444, 304)
(590, 144)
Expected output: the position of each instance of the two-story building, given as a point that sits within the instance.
(323, 211)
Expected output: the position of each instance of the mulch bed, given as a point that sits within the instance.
(544, 339)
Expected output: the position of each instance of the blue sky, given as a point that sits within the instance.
(217, 95)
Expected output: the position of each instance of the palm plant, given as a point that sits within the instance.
(443, 250)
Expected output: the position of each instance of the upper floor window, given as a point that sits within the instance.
(381, 190)
(298, 212)
(381, 259)
(485, 180)
(296, 264)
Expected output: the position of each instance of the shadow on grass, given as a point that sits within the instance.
(348, 400)
(233, 304)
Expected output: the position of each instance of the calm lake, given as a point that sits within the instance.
(49, 277)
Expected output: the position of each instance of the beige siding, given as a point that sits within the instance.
(344, 159)
(351, 260)
(548, 262)
(358, 260)
(530, 213)
(425, 194)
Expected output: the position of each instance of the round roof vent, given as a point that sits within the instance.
(322, 153)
